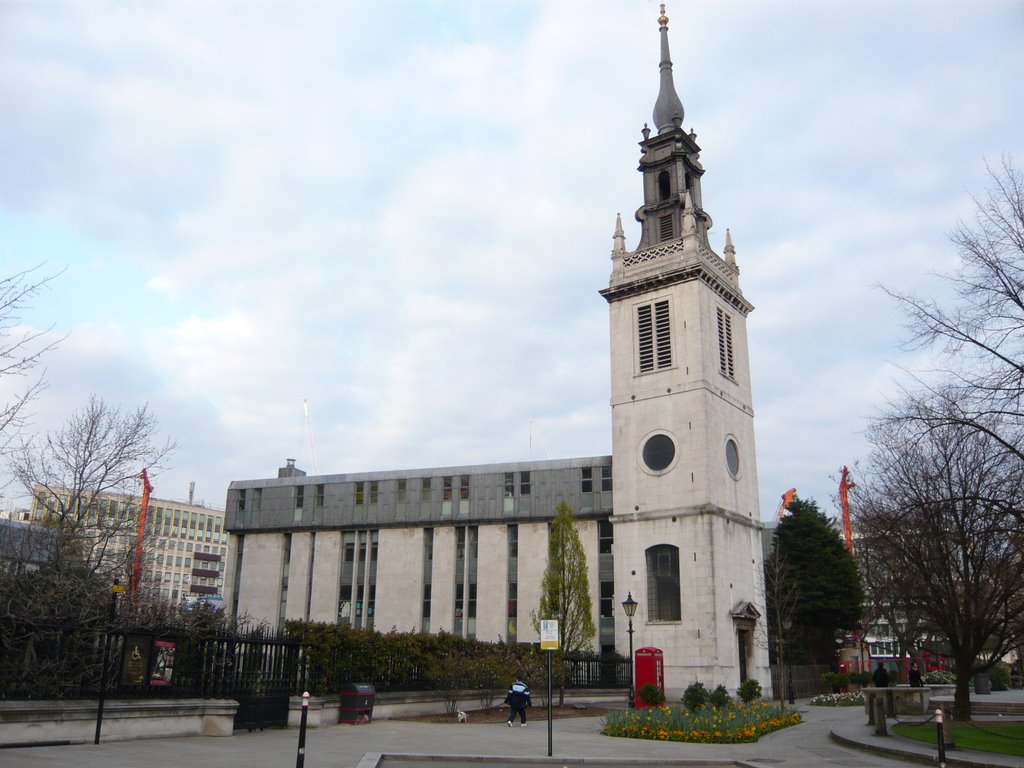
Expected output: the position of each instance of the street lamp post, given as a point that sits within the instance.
(629, 606)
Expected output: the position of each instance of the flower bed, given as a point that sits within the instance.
(707, 725)
(851, 699)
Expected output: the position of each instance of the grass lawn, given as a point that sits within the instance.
(1004, 738)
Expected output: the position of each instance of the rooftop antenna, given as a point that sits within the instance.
(312, 443)
(540, 436)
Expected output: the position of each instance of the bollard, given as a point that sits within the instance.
(942, 738)
(300, 757)
(880, 729)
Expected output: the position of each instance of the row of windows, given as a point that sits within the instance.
(453, 492)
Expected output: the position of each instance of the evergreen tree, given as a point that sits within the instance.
(565, 590)
(825, 579)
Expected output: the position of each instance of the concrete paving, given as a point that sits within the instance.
(828, 737)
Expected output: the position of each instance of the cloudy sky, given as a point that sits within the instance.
(402, 212)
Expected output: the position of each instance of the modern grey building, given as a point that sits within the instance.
(671, 518)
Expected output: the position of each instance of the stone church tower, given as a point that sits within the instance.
(686, 517)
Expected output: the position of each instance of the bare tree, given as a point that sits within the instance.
(981, 333)
(781, 599)
(85, 478)
(942, 504)
(21, 350)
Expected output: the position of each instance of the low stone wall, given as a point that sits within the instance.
(324, 710)
(74, 722)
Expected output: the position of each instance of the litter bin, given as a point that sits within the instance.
(982, 683)
(356, 703)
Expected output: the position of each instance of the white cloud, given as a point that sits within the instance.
(405, 214)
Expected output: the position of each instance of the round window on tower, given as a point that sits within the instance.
(732, 457)
(659, 452)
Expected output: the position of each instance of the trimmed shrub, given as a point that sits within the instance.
(720, 698)
(651, 695)
(749, 690)
(939, 677)
(695, 696)
(1000, 677)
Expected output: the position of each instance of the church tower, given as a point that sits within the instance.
(686, 517)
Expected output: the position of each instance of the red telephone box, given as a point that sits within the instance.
(650, 668)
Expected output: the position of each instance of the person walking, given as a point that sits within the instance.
(518, 699)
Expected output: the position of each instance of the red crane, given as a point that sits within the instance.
(147, 488)
(845, 484)
(787, 499)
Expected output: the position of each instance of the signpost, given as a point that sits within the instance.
(549, 643)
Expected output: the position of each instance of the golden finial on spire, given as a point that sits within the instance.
(663, 19)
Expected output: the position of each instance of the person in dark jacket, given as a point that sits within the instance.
(881, 677)
(914, 676)
(518, 699)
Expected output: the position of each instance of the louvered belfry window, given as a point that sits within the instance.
(665, 228)
(725, 357)
(654, 336)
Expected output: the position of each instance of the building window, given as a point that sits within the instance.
(319, 496)
(607, 604)
(665, 228)
(509, 501)
(446, 497)
(725, 357)
(605, 537)
(606, 487)
(664, 187)
(524, 491)
(663, 583)
(586, 488)
(464, 496)
(732, 458)
(654, 336)
(300, 496)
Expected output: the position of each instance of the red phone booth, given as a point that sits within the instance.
(650, 668)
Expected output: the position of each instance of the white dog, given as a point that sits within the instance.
(463, 717)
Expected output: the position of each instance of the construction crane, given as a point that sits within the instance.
(845, 484)
(787, 499)
(314, 465)
(147, 488)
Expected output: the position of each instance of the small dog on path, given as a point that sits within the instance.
(463, 717)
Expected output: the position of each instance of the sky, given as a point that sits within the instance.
(401, 213)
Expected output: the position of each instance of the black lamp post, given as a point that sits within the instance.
(629, 606)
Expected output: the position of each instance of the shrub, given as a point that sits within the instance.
(939, 677)
(695, 696)
(749, 690)
(835, 680)
(651, 695)
(720, 698)
(1000, 677)
(860, 678)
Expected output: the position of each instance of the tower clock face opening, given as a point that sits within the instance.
(659, 452)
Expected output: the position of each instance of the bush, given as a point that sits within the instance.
(720, 698)
(749, 690)
(1000, 677)
(850, 699)
(695, 696)
(835, 680)
(939, 677)
(651, 695)
(860, 678)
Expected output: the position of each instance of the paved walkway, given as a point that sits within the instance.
(829, 737)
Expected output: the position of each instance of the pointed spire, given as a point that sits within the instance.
(668, 109)
(730, 252)
(619, 238)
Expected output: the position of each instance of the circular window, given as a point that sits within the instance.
(659, 451)
(732, 457)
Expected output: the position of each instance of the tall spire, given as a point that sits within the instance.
(668, 109)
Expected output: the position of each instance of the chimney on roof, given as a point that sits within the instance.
(290, 470)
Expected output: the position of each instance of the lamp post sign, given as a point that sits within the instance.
(549, 643)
